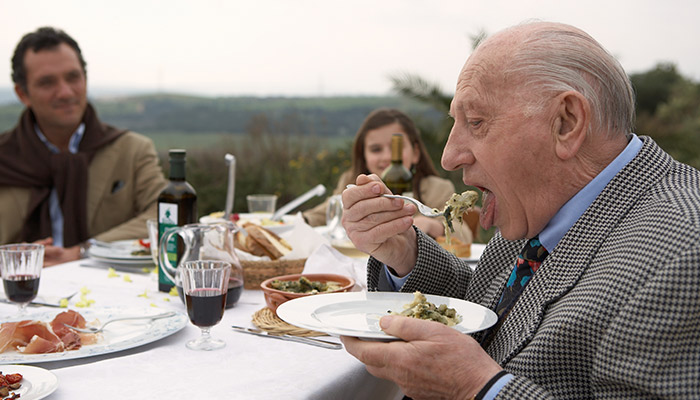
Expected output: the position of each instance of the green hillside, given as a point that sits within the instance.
(180, 115)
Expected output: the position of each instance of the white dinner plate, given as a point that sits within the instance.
(120, 250)
(37, 383)
(130, 263)
(117, 337)
(358, 313)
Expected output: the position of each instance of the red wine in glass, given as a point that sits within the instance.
(205, 306)
(235, 289)
(21, 288)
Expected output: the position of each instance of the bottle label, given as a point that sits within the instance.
(167, 218)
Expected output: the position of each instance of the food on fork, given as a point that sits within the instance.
(421, 308)
(262, 242)
(455, 207)
(39, 337)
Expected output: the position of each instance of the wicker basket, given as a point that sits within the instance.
(255, 272)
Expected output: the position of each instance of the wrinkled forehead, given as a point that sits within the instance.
(481, 81)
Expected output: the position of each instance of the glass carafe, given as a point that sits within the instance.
(204, 242)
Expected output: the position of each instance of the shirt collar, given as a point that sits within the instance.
(565, 218)
(73, 143)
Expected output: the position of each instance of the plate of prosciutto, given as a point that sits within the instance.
(42, 337)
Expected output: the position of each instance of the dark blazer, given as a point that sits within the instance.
(614, 311)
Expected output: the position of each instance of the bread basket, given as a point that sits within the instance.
(255, 272)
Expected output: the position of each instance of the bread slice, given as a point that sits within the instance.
(261, 242)
(456, 246)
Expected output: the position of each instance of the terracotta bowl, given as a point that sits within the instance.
(275, 297)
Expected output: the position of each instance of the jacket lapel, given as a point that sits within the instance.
(99, 181)
(569, 259)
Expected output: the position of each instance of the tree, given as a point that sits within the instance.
(654, 87)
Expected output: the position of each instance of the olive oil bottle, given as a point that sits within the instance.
(397, 177)
(177, 206)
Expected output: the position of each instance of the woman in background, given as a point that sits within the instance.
(371, 154)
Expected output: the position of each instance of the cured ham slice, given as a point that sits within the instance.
(33, 337)
(37, 337)
(40, 345)
(71, 339)
(7, 333)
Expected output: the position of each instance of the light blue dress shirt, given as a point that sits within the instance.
(54, 205)
(562, 221)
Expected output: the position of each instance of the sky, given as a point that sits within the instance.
(326, 47)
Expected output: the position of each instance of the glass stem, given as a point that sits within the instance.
(205, 333)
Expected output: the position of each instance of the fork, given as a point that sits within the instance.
(101, 328)
(422, 208)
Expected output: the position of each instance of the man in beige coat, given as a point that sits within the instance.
(66, 177)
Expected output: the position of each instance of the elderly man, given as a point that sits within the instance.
(593, 272)
(66, 177)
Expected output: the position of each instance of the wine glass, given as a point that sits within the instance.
(20, 266)
(205, 283)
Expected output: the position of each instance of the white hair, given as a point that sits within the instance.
(554, 58)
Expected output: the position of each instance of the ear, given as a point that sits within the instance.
(571, 124)
(22, 95)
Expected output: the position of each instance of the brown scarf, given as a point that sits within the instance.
(25, 161)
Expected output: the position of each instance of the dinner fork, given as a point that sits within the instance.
(101, 328)
(422, 208)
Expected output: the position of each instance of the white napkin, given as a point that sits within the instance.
(301, 236)
(327, 260)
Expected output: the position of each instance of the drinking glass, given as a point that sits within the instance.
(261, 203)
(20, 266)
(205, 283)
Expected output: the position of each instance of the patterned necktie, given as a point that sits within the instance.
(529, 260)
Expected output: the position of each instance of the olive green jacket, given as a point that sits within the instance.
(124, 181)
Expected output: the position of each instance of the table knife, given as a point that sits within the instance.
(298, 339)
(34, 303)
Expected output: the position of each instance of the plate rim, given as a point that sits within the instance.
(91, 253)
(179, 321)
(284, 310)
(22, 369)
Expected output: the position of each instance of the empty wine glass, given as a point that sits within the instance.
(205, 283)
(20, 266)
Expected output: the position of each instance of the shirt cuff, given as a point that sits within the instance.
(496, 387)
(395, 282)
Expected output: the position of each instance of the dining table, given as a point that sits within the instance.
(248, 367)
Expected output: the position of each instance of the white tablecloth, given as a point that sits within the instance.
(249, 367)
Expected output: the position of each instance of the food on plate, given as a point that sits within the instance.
(421, 308)
(39, 337)
(143, 248)
(455, 207)
(304, 285)
(456, 246)
(261, 242)
(9, 382)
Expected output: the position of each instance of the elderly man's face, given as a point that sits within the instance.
(502, 149)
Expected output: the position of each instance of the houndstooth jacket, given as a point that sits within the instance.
(614, 311)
